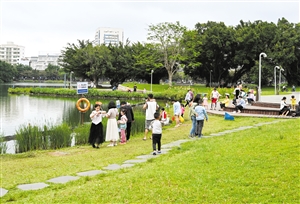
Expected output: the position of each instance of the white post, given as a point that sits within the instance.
(280, 77)
(259, 74)
(151, 79)
(276, 67)
(71, 79)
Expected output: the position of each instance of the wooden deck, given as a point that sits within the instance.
(258, 109)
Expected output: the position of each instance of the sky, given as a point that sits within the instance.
(44, 26)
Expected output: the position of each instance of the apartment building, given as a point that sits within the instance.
(108, 35)
(11, 53)
(41, 61)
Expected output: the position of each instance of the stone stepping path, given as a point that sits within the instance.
(33, 186)
(91, 173)
(63, 179)
(126, 164)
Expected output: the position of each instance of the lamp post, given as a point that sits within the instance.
(276, 67)
(151, 79)
(210, 78)
(280, 78)
(71, 78)
(259, 75)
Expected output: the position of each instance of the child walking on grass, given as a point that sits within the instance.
(123, 125)
(156, 127)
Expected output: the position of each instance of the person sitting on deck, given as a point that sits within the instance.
(240, 105)
(225, 102)
(250, 97)
(284, 108)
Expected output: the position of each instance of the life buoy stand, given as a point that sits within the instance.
(88, 105)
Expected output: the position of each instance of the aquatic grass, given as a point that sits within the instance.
(60, 136)
(82, 133)
(28, 137)
(3, 146)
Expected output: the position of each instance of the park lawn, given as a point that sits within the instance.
(197, 88)
(256, 165)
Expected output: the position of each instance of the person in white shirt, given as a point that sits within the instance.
(284, 108)
(176, 111)
(187, 98)
(151, 107)
(96, 131)
(156, 127)
(250, 97)
(214, 98)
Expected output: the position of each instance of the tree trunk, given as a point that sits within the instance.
(170, 78)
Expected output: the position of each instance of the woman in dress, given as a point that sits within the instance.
(112, 132)
(96, 130)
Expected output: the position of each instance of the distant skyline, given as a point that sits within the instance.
(44, 26)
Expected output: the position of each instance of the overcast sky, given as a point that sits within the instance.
(48, 26)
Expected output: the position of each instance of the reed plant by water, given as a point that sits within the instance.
(31, 137)
(60, 136)
(82, 133)
(3, 146)
(28, 138)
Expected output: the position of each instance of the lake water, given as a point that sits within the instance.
(19, 110)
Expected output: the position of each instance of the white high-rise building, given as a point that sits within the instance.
(108, 35)
(11, 53)
(42, 60)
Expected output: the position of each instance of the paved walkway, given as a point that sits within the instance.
(277, 98)
(126, 164)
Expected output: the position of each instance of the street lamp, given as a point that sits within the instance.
(259, 76)
(280, 78)
(210, 78)
(71, 78)
(276, 67)
(151, 79)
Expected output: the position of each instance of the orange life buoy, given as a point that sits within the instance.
(87, 106)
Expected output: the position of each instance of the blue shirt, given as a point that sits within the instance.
(200, 110)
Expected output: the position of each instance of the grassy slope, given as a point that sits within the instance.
(254, 165)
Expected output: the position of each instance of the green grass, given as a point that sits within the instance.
(257, 165)
(198, 88)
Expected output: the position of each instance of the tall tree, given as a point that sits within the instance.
(122, 63)
(7, 72)
(72, 59)
(167, 38)
(148, 58)
(286, 50)
(98, 58)
(211, 53)
(52, 71)
(253, 39)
